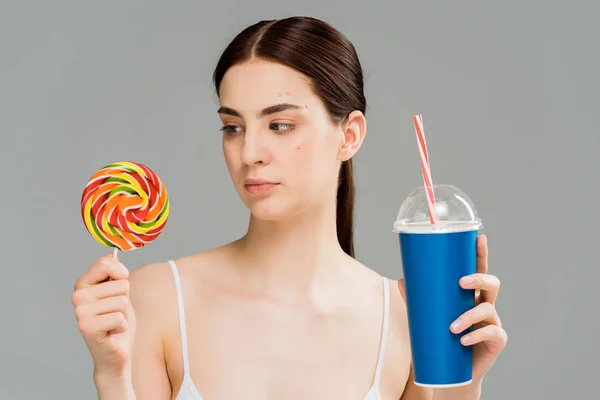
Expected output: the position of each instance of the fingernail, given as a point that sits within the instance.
(466, 339)
(455, 326)
(468, 280)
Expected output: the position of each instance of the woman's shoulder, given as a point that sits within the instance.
(158, 276)
(397, 357)
(396, 371)
(397, 304)
(398, 321)
(153, 290)
(397, 313)
(396, 366)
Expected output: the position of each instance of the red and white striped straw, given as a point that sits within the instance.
(425, 168)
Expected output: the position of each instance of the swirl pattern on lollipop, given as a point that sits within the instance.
(125, 205)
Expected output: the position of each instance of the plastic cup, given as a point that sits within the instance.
(434, 258)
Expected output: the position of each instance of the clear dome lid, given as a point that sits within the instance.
(455, 212)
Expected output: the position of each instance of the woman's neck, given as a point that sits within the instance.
(291, 258)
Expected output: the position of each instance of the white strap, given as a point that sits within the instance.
(182, 329)
(384, 332)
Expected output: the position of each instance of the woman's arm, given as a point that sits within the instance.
(149, 371)
(147, 376)
(114, 388)
(414, 392)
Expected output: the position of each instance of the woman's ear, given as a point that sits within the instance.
(354, 130)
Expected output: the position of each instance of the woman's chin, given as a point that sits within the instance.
(270, 209)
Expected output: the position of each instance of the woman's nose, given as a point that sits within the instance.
(255, 149)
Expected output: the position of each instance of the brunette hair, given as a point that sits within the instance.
(323, 54)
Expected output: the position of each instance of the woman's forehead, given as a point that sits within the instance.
(263, 82)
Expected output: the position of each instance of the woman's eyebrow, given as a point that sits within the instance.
(262, 113)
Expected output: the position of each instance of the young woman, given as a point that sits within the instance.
(285, 312)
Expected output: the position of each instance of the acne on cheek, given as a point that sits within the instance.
(299, 152)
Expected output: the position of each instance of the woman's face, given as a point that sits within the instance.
(281, 148)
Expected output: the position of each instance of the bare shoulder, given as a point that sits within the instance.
(148, 276)
(396, 368)
(152, 286)
(399, 363)
(397, 358)
(398, 315)
(152, 295)
(149, 280)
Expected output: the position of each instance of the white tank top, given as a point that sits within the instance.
(188, 390)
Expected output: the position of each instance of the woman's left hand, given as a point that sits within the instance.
(488, 338)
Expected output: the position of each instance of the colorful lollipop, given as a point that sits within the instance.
(125, 206)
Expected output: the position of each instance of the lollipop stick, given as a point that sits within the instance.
(114, 256)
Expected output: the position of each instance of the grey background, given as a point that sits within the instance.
(509, 95)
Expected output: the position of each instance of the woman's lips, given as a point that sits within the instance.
(258, 186)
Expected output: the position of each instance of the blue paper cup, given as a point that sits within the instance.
(434, 258)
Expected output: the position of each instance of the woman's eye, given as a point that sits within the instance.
(281, 128)
(230, 130)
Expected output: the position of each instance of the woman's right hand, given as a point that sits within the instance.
(105, 316)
